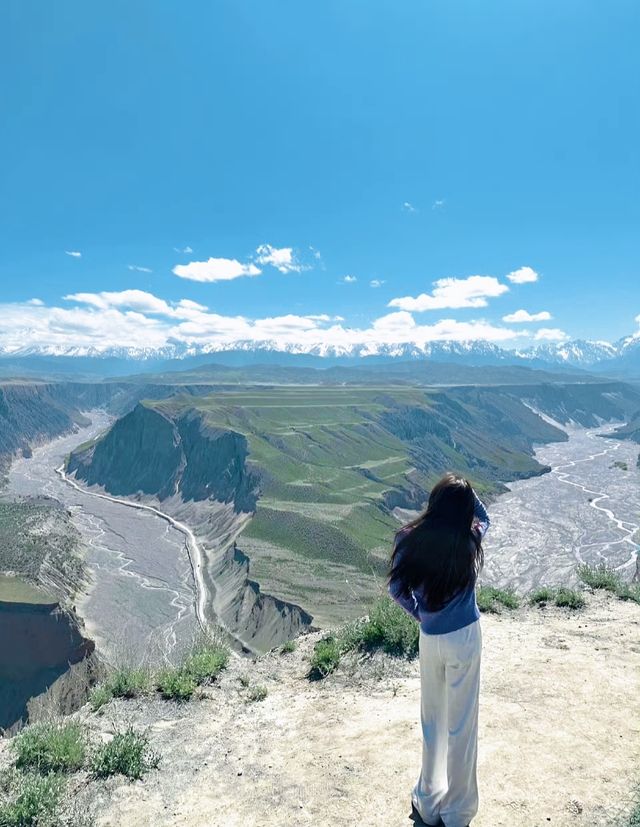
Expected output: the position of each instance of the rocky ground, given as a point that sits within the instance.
(559, 734)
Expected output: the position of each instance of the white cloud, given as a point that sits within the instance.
(316, 253)
(350, 279)
(525, 316)
(376, 282)
(408, 207)
(74, 253)
(140, 301)
(438, 204)
(281, 258)
(523, 275)
(215, 269)
(453, 293)
(133, 299)
(186, 249)
(551, 334)
(36, 302)
(139, 269)
(135, 318)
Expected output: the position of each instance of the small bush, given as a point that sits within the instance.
(569, 598)
(288, 647)
(257, 693)
(541, 596)
(176, 684)
(391, 629)
(599, 577)
(325, 658)
(29, 799)
(206, 661)
(129, 682)
(562, 596)
(626, 591)
(125, 682)
(99, 696)
(244, 680)
(127, 754)
(51, 748)
(493, 600)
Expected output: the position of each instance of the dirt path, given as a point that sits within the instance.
(559, 735)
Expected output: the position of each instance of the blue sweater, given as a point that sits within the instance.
(458, 611)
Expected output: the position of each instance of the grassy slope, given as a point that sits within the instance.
(329, 456)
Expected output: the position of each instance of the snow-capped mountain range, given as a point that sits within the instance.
(620, 358)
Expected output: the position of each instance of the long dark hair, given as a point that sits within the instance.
(438, 552)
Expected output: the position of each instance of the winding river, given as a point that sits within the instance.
(143, 602)
(147, 600)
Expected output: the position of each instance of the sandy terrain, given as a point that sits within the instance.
(559, 735)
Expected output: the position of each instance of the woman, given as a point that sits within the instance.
(434, 567)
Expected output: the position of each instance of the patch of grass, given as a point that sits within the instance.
(599, 577)
(494, 600)
(603, 577)
(627, 591)
(30, 799)
(99, 696)
(569, 598)
(206, 660)
(288, 647)
(125, 682)
(542, 596)
(129, 682)
(203, 664)
(51, 748)
(244, 680)
(128, 754)
(257, 693)
(325, 658)
(562, 596)
(391, 629)
(176, 684)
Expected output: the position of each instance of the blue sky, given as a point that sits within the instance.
(394, 143)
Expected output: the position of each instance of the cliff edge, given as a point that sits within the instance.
(559, 734)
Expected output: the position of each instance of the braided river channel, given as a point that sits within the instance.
(144, 599)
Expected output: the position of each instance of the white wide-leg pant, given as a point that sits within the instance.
(450, 681)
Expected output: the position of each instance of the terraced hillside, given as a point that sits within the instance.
(317, 472)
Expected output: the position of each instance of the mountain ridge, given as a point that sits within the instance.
(621, 357)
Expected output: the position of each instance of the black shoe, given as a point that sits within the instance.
(417, 819)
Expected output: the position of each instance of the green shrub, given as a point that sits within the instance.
(325, 658)
(599, 577)
(627, 591)
(127, 754)
(569, 598)
(391, 629)
(48, 748)
(206, 660)
(562, 596)
(257, 693)
(493, 600)
(30, 799)
(99, 696)
(129, 682)
(176, 684)
(288, 647)
(543, 595)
